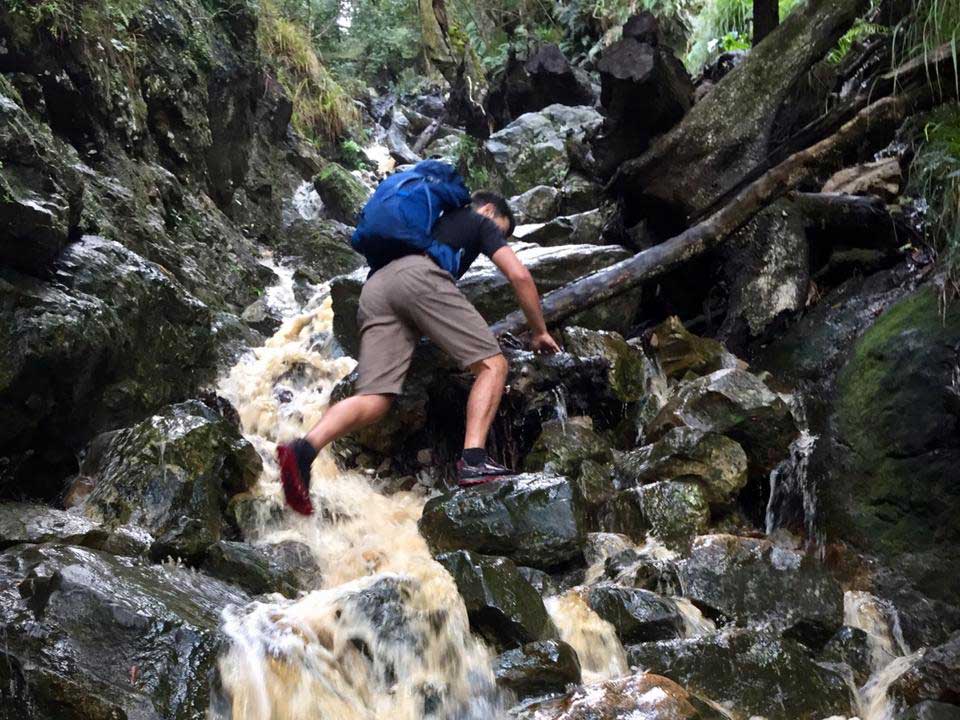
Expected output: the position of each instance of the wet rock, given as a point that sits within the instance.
(342, 194)
(396, 139)
(752, 581)
(533, 519)
(737, 404)
(644, 571)
(531, 150)
(171, 474)
(119, 338)
(538, 204)
(682, 354)
(892, 446)
(579, 194)
(544, 78)
(41, 191)
(541, 581)
(929, 710)
(487, 288)
(87, 635)
(645, 90)
(320, 249)
(768, 271)
(674, 511)
(571, 448)
(638, 615)
(262, 317)
(714, 461)
(643, 695)
(851, 647)
(743, 669)
(632, 374)
(624, 514)
(537, 668)
(502, 606)
(935, 676)
(882, 178)
(285, 568)
(582, 228)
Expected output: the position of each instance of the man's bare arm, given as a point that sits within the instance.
(527, 297)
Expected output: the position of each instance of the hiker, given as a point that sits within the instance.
(411, 292)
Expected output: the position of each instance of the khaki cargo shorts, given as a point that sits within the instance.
(403, 301)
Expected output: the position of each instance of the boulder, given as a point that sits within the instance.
(714, 461)
(582, 228)
(342, 194)
(682, 354)
(578, 193)
(537, 668)
(319, 249)
(645, 90)
(638, 615)
(852, 647)
(172, 474)
(116, 337)
(503, 607)
(532, 150)
(742, 669)
(564, 446)
(91, 635)
(539, 204)
(642, 695)
(645, 571)
(285, 568)
(674, 511)
(930, 710)
(487, 288)
(396, 138)
(263, 317)
(934, 676)
(752, 581)
(541, 581)
(533, 519)
(544, 78)
(737, 404)
(632, 375)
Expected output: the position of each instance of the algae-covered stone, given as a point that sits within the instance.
(674, 511)
(90, 635)
(537, 668)
(320, 249)
(564, 445)
(503, 607)
(632, 374)
(735, 403)
(624, 514)
(714, 461)
(342, 194)
(533, 519)
(681, 352)
(285, 568)
(171, 474)
(742, 669)
(754, 581)
(638, 615)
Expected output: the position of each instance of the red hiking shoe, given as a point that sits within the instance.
(484, 472)
(295, 460)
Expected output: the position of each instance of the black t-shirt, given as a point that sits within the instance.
(462, 229)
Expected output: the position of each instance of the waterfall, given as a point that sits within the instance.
(385, 634)
(601, 654)
(793, 500)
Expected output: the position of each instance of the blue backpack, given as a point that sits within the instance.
(404, 209)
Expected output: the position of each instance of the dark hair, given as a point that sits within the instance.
(485, 197)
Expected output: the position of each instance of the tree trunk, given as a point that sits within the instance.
(878, 120)
(766, 17)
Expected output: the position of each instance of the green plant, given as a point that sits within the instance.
(322, 109)
(469, 163)
(352, 156)
(717, 21)
(935, 176)
(932, 24)
(861, 30)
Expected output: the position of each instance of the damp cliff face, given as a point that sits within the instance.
(145, 153)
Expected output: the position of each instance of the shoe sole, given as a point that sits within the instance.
(293, 490)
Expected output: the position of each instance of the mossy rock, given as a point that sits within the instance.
(895, 489)
(632, 374)
(681, 353)
(343, 195)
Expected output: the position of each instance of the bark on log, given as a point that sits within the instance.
(426, 137)
(726, 136)
(883, 117)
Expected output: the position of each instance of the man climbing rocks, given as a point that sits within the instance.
(407, 295)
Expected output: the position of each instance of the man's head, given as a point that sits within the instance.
(493, 206)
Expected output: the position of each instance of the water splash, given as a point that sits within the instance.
(694, 622)
(601, 654)
(792, 504)
(386, 633)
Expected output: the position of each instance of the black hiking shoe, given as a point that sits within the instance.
(295, 460)
(487, 471)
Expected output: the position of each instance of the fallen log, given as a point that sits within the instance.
(426, 137)
(881, 118)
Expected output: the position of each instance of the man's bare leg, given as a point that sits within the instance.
(491, 376)
(347, 416)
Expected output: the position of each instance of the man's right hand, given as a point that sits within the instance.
(544, 343)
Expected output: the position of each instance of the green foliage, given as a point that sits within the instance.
(322, 109)
(352, 156)
(723, 25)
(73, 18)
(861, 30)
(470, 164)
(935, 176)
(932, 24)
